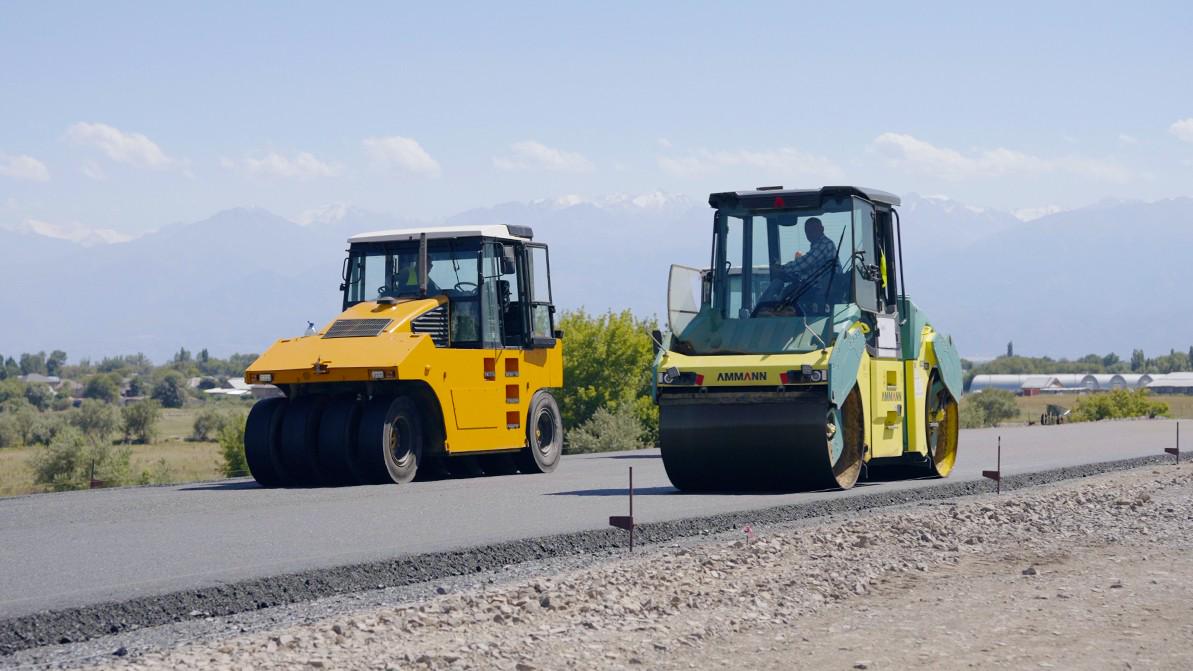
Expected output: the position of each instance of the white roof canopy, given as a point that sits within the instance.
(404, 234)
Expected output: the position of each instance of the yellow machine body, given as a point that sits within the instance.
(483, 393)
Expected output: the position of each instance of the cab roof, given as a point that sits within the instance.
(500, 231)
(775, 197)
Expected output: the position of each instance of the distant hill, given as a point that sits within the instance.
(1105, 278)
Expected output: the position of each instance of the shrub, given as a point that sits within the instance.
(139, 421)
(11, 389)
(607, 432)
(39, 395)
(988, 408)
(21, 417)
(170, 391)
(1118, 404)
(46, 427)
(159, 474)
(10, 436)
(68, 462)
(102, 387)
(608, 364)
(97, 420)
(208, 424)
(231, 437)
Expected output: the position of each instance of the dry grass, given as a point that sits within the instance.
(169, 459)
(1180, 406)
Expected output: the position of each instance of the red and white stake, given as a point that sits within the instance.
(626, 521)
(996, 474)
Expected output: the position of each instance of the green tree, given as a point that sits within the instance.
(10, 435)
(102, 387)
(1110, 360)
(139, 421)
(208, 423)
(33, 363)
(11, 389)
(12, 368)
(990, 407)
(608, 364)
(1118, 404)
(170, 391)
(96, 420)
(24, 419)
(69, 462)
(55, 362)
(1138, 361)
(39, 395)
(231, 439)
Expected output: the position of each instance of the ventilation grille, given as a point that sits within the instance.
(433, 323)
(357, 328)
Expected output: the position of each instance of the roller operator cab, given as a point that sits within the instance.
(796, 357)
(443, 360)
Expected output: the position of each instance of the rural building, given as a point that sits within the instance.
(1171, 383)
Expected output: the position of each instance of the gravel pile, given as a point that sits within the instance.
(640, 610)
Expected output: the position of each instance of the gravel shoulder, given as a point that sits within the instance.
(1092, 573)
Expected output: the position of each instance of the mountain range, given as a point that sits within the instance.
(1109, 277)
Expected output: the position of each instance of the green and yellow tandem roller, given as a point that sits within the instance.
(797, 357)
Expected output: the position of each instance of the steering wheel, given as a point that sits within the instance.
(468, 287)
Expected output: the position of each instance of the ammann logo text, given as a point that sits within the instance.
(742, 376)
(894, 396)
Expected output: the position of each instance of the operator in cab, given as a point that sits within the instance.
(405, 280)
(813, 269)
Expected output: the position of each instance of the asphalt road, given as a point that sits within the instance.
(82, 548)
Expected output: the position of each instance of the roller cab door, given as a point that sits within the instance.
(542, 308)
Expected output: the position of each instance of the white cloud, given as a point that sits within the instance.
(23, 167)
(907, 152)
(75, 232)
(131, 148)
(773, 164)
(303, 165)
(531, 155)
(402, 153)
(1183, 129)
(1127, 139)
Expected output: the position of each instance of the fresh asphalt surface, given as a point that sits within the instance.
(81, 548)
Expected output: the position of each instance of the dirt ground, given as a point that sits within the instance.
(1087, 574)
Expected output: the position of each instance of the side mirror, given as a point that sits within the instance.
(509, 261)
(656, 341)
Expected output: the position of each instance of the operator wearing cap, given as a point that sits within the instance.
(812, 269)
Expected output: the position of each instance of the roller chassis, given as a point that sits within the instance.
(406, 383)
(819, 402)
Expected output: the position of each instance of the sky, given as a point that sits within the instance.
(127, 116)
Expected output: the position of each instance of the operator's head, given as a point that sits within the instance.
(813, 229)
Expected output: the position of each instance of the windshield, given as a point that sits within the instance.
(378, 270)
(783, 263)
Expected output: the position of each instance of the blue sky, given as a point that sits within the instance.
(129, 116)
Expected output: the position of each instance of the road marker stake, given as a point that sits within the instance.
(1176, 451)
(626, 521)
(996, 474)
(748, 530)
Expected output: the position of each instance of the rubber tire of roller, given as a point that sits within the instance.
(539, 456)
(337, 440)
(388, 425)
(261, 434)
(299, 447)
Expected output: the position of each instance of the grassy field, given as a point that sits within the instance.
(171, 458)
(1031, 407)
